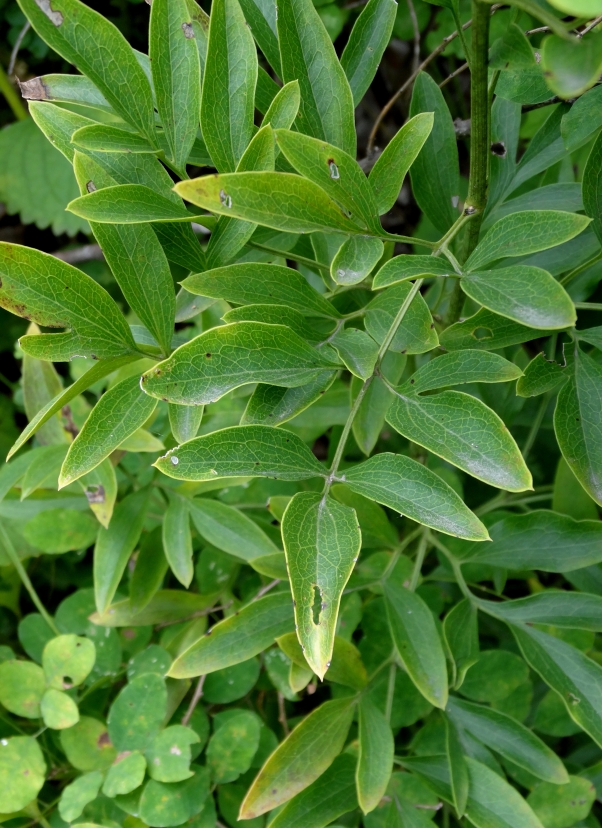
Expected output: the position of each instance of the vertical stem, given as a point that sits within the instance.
(16, 562)
(420, 556)
(12, 98)
(390, 691)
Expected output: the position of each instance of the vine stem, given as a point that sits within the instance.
(16, 562)
(358, 400)
(460, 580)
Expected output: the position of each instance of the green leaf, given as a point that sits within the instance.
(115, 545)
(375, 759)
(100, 488)
(512, 50)
(232, 683)
(301, 758)
(408, 487)
(571, 66)
(582, 120)
(274, 199)
(272, 405)
(592, 187)
(417, 642)
(400, 268)
(67, 660)
(229, 83)
(149, 572)
(370, 417)
(466, 433)
(233, 745)
(237, 638)
(435, 172)
(147, 696)
(486, 331)
(229, 356)
(252, 283)
(128, 204)
(97, 372)
(569, 499)
(285, 106)
(246, 451)
(335, 171)
(415, 335)
(22, 685)
(106, 138)
(125, 776)
(460, 368)
(507, 737)
(578, 423)
(357, 350)
(346, 667)
(322, 541)
(528, 295)
(564, 196)
(461, 634)
(119, 413)
(55, 531)
(569, 610)
(308, 56)
(275, 315)
(387, 175)
(561, 805)
(229, 529)
(87, 745)
(177, 540)
(22, 772)
(174, 803)
(458, 769)
(45, 470)
(86, 38)
(56, 295)
(176, 75)
(75, 89)
(525, 232)
(78, 794)
(539, 540)
(355, 260)
(569, 672)
(165, 605)
(261, 18)
(169, 754)
(58, 710)
(367, 42)
(185, 421)
(540, 375)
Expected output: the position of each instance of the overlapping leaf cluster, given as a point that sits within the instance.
(297, 390)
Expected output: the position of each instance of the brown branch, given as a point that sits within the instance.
(282, 714)
(198, 692)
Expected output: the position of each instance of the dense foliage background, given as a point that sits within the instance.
(149, 665)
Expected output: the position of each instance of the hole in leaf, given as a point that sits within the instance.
(499, 148)
(482, 333)
(317, 605)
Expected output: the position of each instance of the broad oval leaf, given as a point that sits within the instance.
(322, 542)
(355, 260)
(223, 358)
(465, 432)
(526, 232)
(408, 487)
(119, 413)
(357, 350)
(237, 638)
(529, 295)
(245, 451)
(417, 641)
(301, 758)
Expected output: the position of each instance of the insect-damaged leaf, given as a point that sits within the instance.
(322, 541)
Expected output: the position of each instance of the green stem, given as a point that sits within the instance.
(593, 306)
(390, 691)
(16, 562)
(460, 30)
(455, 566)
(534, 430)
(11, 96)
(420, 556)
(568, 277)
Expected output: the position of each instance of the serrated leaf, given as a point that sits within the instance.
(355, 259)
(246, 451)
(118, 414)
(459, 368)
(274, 199)
(227, 357)
(466, 433)
(228, 86)
(176, 75)
(367, 42)
(417, 642)
(237, 638)
(387, 175)
(106, 58)
(252, 283)
(578, 423)
(57, 295)
(177, 540)
(375, 760)
(408, 487)
(230, 529)
(322, 541)
(415, 335)
(525, 232)
(308, 56)
(301, 758)
(528, 295)
(539, 540)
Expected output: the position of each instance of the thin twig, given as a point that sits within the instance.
(282, 714)
(265, 589)
(16, 47)
(453, 75)
(198, 692)
(589, 26)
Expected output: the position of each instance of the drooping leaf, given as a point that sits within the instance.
(346, 666)
(367, 42)
(375, 760)
(177, 541)
(301, 758)
(230, 530)
(461, 635)
(322, 541)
